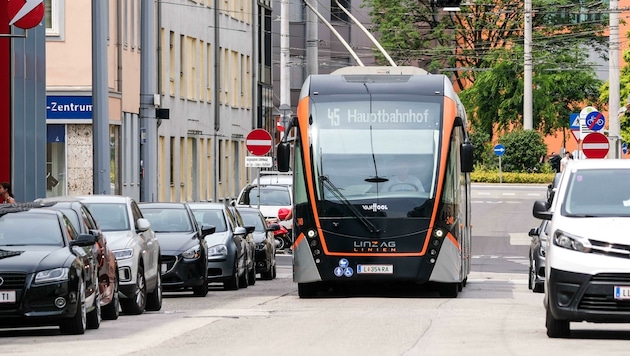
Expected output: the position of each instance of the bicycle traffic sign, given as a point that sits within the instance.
(595, 121)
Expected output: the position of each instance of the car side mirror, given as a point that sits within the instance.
(250, 229)
(143, 224)
(207, 230)
(83, 240)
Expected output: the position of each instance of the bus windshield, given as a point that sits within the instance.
(386, 155)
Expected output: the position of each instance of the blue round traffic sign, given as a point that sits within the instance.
(499, 150)
(624, 148)
(595, 121)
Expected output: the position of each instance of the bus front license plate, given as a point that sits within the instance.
(375, 269)
(622, 292)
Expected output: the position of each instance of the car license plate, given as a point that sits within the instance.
(375, 269)
(622, 292)
(7, 296)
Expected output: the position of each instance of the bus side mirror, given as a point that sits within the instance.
(284, 156)
(467, 157)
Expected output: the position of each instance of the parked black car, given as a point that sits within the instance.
(48, 273)
(184, 248)
(265, 255)
(228, 247)
(84, 223)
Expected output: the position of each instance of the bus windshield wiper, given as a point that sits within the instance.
(333, 189)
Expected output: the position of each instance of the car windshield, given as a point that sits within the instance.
(28, 229)
(167, 220)
(598, 192)
(110, 216)
(212, 217)
(253, 219)
(270, 195)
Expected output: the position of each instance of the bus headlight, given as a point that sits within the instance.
(311, 233)
(439, 233)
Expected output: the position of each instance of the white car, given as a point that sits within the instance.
(136, 248)
(273, 193)
(587, 267)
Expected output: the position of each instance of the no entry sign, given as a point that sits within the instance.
(595, 145)
(258, 142)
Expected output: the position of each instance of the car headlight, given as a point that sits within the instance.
(571, 242)
(192, 253)
(218, 250)
(123, 254)
(52, 275)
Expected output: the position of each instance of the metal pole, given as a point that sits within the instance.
(613, 78)
(285, 79)
(312, 43)
(148, 123)
(217, 109)
(100, 99)
(528, 122)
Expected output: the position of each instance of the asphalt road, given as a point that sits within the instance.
(494, 315)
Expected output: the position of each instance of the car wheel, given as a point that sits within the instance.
(112, 310)
(532, 275)
(252, 274)
(78, 323)
(244, 279)
(268, 274)
(136, 304)
(202, 290)
(232, 283)
(154, 299)
(94, 317)
(556, 328)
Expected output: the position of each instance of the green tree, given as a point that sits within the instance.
(524, 150)
(415, 33)
(495, 101)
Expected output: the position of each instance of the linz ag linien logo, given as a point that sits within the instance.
(374, 246)
(374, 207)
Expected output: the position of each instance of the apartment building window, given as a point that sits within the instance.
(209, 71)
(172, 63)
(182, 67)
(336, 13)
(125, 23)
(191, 68)
(53, 18)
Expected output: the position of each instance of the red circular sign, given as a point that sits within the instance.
(595, 145)
(25, 14)
(258, 142)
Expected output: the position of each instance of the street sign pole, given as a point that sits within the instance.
(499, 150)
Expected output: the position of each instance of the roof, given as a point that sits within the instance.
(103, 198)
(21, 207)
(598, 164)
(206, 205)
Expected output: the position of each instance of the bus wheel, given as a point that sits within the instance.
(448, 290)
(308, 290)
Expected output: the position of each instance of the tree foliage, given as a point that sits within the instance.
(624, 95)
(524, 150)
(481, 47)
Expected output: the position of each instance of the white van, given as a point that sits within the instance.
(587, 271)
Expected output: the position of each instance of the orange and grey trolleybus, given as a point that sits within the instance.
(381, 181)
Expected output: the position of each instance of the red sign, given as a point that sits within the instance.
(279, 125)
(595, 145)
(25, 14)
(258, 142)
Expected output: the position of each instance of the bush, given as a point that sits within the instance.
(523, 151)
(483, 175)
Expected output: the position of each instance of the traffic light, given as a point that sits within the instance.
(445, 3)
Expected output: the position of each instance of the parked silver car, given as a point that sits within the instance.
(136, 248)
(537, 251)
(230, 257)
